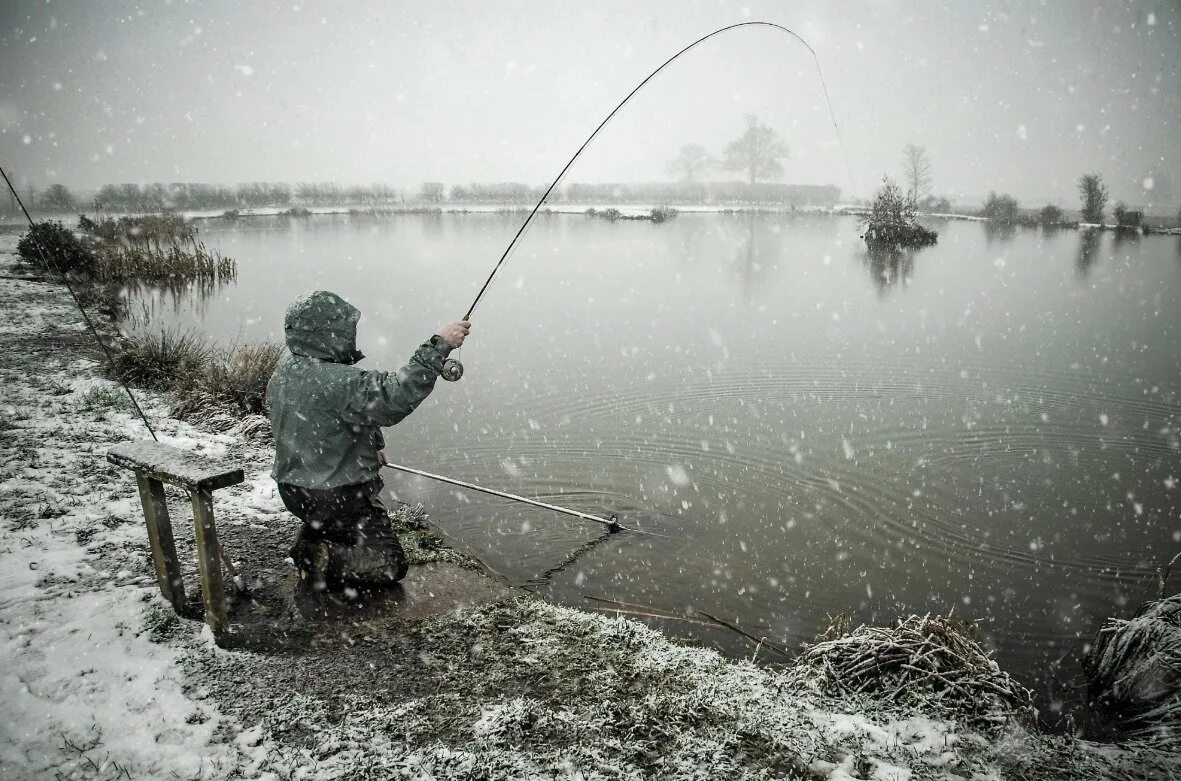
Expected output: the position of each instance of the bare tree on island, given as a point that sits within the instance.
(1093, 193)
(692, 160)
(757, 152)
(917, 171)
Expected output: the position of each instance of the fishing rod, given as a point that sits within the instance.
(48, 261)
(452, 368)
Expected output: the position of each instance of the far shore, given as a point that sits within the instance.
(625, 209)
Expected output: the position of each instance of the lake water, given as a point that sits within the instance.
(990, 426)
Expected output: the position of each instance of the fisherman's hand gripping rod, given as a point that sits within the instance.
(452, 368)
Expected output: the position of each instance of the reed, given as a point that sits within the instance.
(663, 214)
(160, 360)
(224, 388)
(148, 262)
(232, 382)
(148, 228)
(154, 247)
(1133, 671)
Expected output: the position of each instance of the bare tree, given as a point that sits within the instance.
(59, 198)
(757, 152)
(1093, 193)
(917, 171)
(692, 160)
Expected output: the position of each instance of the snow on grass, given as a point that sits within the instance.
(86, 691)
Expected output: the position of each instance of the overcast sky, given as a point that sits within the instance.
(1016, 97)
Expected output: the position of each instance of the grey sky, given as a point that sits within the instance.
(1017, 97)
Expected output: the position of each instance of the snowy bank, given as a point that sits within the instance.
(101, 680)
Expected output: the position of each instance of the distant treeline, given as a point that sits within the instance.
(195, 196)
(651, 192)
(183, 195)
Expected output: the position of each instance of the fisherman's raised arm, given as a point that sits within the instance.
(383, 398)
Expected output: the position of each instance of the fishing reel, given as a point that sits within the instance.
(452, 370)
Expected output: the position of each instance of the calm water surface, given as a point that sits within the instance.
(991, 426)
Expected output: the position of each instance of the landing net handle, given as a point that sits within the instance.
(612, 523)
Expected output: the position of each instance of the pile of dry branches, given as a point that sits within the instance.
(934, 657)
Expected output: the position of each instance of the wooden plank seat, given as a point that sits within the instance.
(154, 464)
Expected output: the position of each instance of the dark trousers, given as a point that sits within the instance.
(347, 536)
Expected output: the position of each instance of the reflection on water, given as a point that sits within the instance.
(889, 266)
(999, 231)
(991, 437)
(1125, 236)
(760, 255)
(1088, 250)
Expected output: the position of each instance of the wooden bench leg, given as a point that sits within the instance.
(151, 495)
(208, 562)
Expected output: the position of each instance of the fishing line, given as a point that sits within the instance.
(525, 225)
(46, 259)
(453, 369)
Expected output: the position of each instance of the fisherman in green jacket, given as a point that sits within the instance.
(326, 415)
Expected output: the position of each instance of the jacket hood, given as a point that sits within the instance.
(323, 325)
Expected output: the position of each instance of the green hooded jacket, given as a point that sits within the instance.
(326, 414)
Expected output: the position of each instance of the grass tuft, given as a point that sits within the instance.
(101, 398)
(159, 361)
(1133, 672)
(232, 381)
(226, 388)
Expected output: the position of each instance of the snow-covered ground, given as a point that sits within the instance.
(99, 679)
(87, 691)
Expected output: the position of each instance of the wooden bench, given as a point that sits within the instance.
(155, 464)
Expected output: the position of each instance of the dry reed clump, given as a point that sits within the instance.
(154, 247)
(230, 390)
(151, 262)
(224, 388)
(158, 360)
(154, 228)
(933, 657)
(1133, 672)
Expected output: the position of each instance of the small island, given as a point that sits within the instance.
(891, 223)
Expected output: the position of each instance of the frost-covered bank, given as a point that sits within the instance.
(101, 681)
